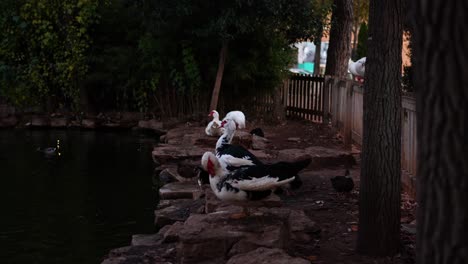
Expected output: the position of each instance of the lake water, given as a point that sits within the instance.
(74, 207)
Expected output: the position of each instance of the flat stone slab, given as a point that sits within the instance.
(166, 153)
(210, 238)
(180, 190)
(321, 156)
(162, 254)
(266, 256)
(176, 211)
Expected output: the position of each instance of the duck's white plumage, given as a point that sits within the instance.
(238, 117)
(214, 126)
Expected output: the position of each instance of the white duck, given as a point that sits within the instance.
(249, 183)
(238, 117)
(358, 68)
(213, 128)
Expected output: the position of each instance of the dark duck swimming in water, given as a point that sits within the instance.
(344, 183)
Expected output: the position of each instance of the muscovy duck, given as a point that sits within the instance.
(343, 183)
(214, 126)
(238, 117)
(248, 183)
(233, 156)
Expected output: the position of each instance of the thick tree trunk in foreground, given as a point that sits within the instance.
(441, 84)
(339, 49)
(219, 77)
(379, 198)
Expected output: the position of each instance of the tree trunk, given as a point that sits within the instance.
(339, 49)
(318, 48)
(379, 197)
(219, 76)
(442, 107)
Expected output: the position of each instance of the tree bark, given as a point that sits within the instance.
(318, 48)
(379, 197)
(219, 77)
(339, 49)
(441, 79)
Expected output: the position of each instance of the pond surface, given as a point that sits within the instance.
(74, 207)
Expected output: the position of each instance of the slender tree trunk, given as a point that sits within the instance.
(356, 29)
(318, 48)
(442, 108)
(219, 76)
(318, 43)
(379, 197)
(339, 49)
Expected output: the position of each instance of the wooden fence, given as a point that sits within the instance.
(346, 109)
(302, 96)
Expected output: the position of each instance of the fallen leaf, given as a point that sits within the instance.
(312, 258)
(354, 228)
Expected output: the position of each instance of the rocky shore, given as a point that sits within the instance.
(195, 227)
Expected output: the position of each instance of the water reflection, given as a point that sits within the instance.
(72, 207)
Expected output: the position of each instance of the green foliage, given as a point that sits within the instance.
(145, 55)
(43, 50)
(362, 41)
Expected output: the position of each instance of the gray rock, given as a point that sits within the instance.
(89, 123)
(162, 254)
(165, 153)
(259, 143)
(294, 139)
(151, 124)
(172, 233)
(40, 121)
(266, 256)
(180, 190)
(9, 121)
(243, 139)
(210, 237)
(59, 122)
(321, 157)
(169, 175)
(177, 211)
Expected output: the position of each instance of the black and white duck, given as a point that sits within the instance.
(248, 183)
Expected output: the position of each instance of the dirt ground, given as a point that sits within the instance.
(337, 216)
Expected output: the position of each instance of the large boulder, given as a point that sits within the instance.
(266, 256)
(209, 238)
(169, 212)
(242, 138)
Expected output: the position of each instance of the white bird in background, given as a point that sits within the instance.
(214, 127)
(358, 68)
